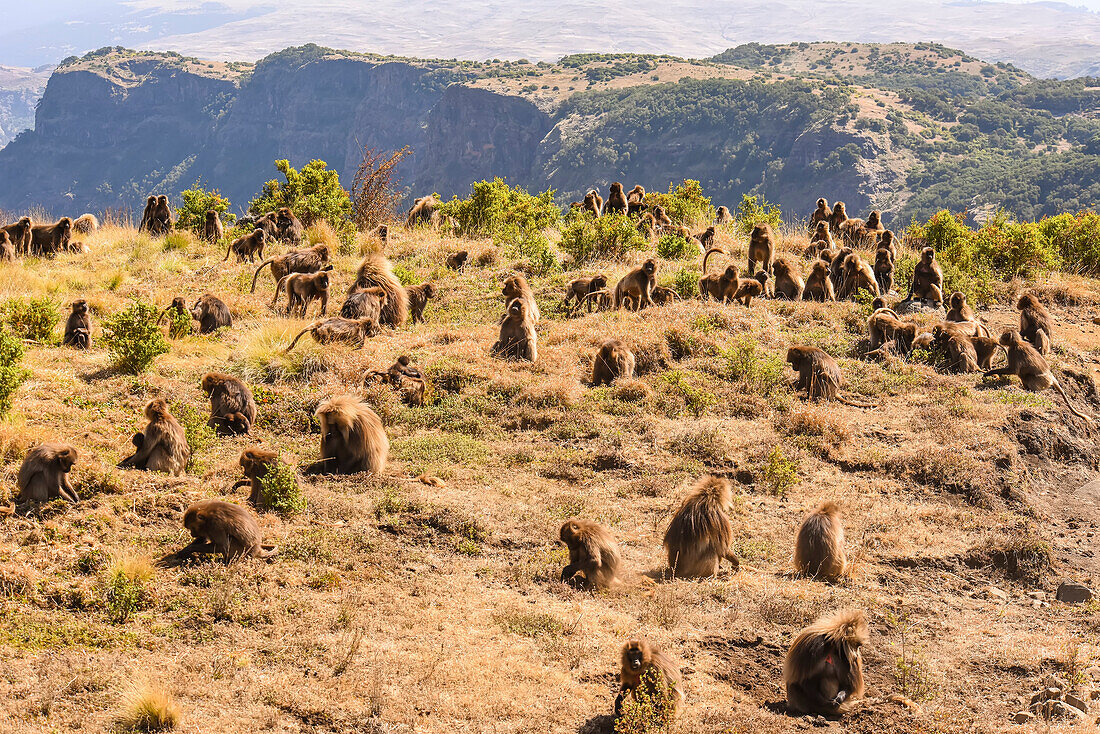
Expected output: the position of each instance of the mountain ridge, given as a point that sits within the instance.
(898, 127)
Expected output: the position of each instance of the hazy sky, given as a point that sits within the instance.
(42, 32)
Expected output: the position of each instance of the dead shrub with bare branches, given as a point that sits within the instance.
(373, 194)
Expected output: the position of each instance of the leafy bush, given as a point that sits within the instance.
(947, 234)
(536, 249)
(12, 374)
(609, 237)
(681, 384)
(685, 283)
(502, 212)
(313, 194)
(33, 319)
(976, 285)
(124, 588)
(133, 339)
(280, 491)
(180, 323)
(685, 204)
(760, 372)
(1077, 239)
(780, 473)
(200, 436)
(196, 202)
(1015, 249)
(644, 712)
(751, 212)
(672, 246)
(999, 249)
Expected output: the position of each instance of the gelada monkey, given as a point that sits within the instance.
(819, 545)
(700, 533)
(648, 670)
(225, 528)
(594, 558)
(823, 670)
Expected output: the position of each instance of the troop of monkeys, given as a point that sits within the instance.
(836, 272)
(823, 670)
(25, 238)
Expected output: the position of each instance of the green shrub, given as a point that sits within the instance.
(751, 212)
(947, 234)
(536, 249)
(999, 249)
(643, 712)
(1077, 239)
(125, 588)
(406, 275)
(680, 383)
(133, 339)
(196, 202)
(33, 319)
(280, 491)
(761, 372)
(502, 212)
(685, 282)
(780, 473)
(609, 237)
(1015, 249)
(314, 194)
(672, 246)
(200, 436)
(180, 323)
(976, 285)
(12, 374)
(685, 204)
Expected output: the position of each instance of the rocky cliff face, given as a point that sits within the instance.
(115, 126)
(101, 141)
(473, 134)
(107, 135)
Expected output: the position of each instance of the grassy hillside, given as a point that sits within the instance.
(399, 606)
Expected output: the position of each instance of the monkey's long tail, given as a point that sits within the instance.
(300, 335)
(278, 290)
(589, 296)
(264, 264)
(710, 252)
(854, 404)
(1058, 386)
(227, 251)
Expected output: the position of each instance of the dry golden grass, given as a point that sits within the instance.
(149, 710)
(399, 606)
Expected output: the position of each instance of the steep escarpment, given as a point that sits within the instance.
(325, 108)
(904, 128)
(778, 139)
(477, 134)
(103, 140)
(111, 130)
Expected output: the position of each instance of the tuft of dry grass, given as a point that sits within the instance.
(149, 709)
(321, 233)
